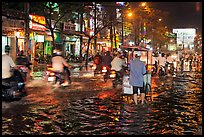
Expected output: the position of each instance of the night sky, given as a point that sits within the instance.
(183, 14)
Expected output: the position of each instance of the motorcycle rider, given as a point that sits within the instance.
(169, 61)
(7, 63)
(60, 65)
(117, 64)
(7, 66)
(23, 60)
(161, 62)
(106, 61)
(98, 61)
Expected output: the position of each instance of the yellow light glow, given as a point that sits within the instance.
(143, 4)
(130, 14)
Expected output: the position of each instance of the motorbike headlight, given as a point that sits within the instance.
(94, 66)
(20, 84)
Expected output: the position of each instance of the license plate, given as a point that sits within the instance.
(51, 78)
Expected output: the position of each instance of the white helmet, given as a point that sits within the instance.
(59, 53)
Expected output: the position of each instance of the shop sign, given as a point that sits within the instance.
(40, 38)
(171, 47)
(67, 26)
(36, 21)
(12, 23)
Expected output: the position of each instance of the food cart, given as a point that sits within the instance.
(146, 57)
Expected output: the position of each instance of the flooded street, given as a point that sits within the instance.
(86, 108)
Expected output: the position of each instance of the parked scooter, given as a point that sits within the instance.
(13, 88)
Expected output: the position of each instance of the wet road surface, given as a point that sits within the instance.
(92, 107)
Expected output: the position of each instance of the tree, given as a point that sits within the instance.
(155, 28)
(100, 23)
(54, 14)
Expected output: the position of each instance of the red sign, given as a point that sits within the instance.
(37, 22)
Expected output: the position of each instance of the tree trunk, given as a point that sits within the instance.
(111, 35)
(53, 40)
(87, 54)
(81, 37)
(114, 36)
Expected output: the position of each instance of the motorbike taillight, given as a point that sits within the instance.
(52, 74)
(112, 74)
(50, 68)
(149, 67)
(104, 69)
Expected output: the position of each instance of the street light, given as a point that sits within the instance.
(143, 4)
(130, 14)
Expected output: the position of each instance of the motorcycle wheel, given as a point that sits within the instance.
(114, 82)
(161, 73)
(105, 78)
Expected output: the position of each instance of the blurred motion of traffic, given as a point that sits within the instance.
(66, 69)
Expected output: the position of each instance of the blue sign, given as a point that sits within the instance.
(120, 3)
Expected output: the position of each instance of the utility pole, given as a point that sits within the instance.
(95, 42)
(81, 37)
(122, 26)
(27, 31)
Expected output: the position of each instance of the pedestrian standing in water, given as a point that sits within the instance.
(137, 71)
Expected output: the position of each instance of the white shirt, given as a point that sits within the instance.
(116, 64)
(161, 60)
(169, 59)
(7, 63)
(58, 63)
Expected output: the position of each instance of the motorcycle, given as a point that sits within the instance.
(13, 88)
(55, 77)
(23, 70)
(117, 79)
(162, 71)
(106, 73)
(170, 67)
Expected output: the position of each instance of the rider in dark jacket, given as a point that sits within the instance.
(106, 60)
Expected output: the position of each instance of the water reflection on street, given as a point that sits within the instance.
(176, 110)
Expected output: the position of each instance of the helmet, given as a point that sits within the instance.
(7, 48)
(58, 53)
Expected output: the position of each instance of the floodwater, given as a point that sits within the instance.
(176, 109)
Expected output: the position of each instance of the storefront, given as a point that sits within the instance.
(72, 45)
(11, 35)
(37, 36)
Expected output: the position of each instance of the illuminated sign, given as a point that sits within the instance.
(120, 3)
(37, 22)
(185, 36)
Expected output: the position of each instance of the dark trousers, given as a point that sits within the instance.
(67, 74)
